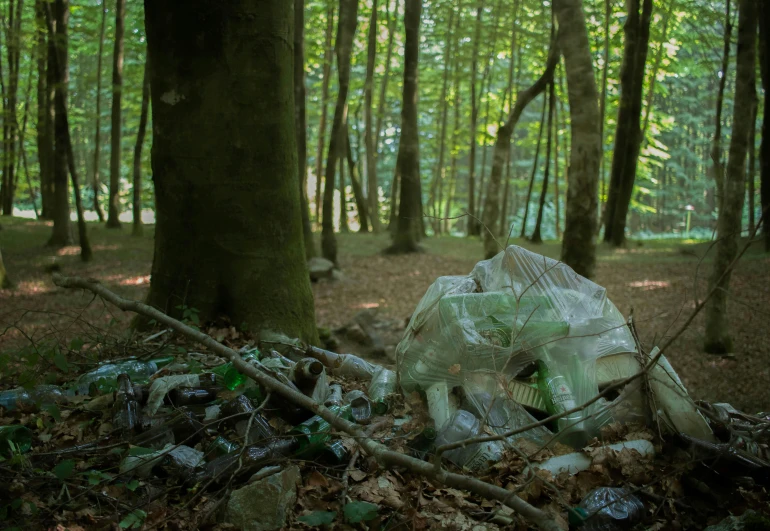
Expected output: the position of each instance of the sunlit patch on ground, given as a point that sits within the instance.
(135, 281)
(367, 305)
(648, 285)
(70, 250)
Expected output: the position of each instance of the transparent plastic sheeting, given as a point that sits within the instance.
(478, 332)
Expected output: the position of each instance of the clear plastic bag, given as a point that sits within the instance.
(610, 509)
(477, 333)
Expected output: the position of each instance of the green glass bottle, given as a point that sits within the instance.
(558, 397)
(232, 377)
(315, 431)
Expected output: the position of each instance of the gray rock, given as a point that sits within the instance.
(320, 268)
(265, 504)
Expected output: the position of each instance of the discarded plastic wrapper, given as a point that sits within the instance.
(608, 509)
(161, 387)
(578, 461)
(142, 465)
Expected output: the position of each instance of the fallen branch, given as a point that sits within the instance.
(380, 452)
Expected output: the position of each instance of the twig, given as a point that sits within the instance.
(381, 453)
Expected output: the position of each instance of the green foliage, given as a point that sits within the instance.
(133, 520)
(360, 511)
(318, 518)
(63, 470)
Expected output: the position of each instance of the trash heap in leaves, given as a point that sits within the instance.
(179, 442)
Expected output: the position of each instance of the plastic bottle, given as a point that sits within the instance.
(347, 365)
(105, 377)
(25, 400)
(126, 407)
(463, 425)
(360, 405)
(607, 509)
(309, 376)
(383, 383)
(19, 435)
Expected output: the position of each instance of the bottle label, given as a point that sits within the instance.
(485, 452)
(561, 394)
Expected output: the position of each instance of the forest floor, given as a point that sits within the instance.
(655, 279)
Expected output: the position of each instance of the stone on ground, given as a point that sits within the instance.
(265, 504)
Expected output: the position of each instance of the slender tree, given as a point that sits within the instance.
(502, 147)
(764, 149)
(137, 228)
(228, 239)
(536, 235)
(718, 169)
(5, 281)
(511, 89)
(578, 245)
(409, 213)
(327, 70)
(95, 184)
(656, 68)
(44, 116)
(13, 28)
(369, 140)
(113, 212)
(300, 123)
(603, 101)
(456, 128)
(752, 166)
(628, 137)
(346, 28)
(355, 183)
(534, 169)
(718, 340)
(473, 224)
(342, 188)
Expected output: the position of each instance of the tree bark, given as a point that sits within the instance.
(504, 229)
(44, 137)
(228, 238)
(656, 68)
(137, 228)
(578, 245)
(391, 19)
(628, 132)
(534, 169)
(95, 184)
(556, 194)
(300, 124)
(752, 165)
(410, 202)
(344, 228)
(473, 224)
(718, 340)
(58, 62)
(346, 28)
(502, 148)
(113, 212)
(455, 139)
(355, 183)
(718, 168)
(5, 281)
(369, 140)
(536, 235)
(10, 102)
(327, 70)
(764, 148)
(603, 101)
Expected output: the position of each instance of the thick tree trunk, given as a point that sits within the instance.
(369, 140)
(502, 148)
(474, 227)
(95, 184)
(58, 62)
(228, 239)
(718, 169)
(355, 183)
(410, 202)
(50, 86)
(346, 28)
(300, 123)
(718, 339)
(44, 138)
(113, 212)
(628, 132)
(327, 70)
(534, 169)
(656, 68)
(536, 235)
(10, 102)
(764, 149)
(578, 246)
(137, 228)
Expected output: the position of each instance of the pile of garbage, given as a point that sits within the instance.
(520, 349)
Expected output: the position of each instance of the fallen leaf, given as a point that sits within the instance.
(316, 479)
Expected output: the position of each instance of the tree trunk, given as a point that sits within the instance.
(355, 183)
(113, 212)
(369, 140)
(95, 184)
(58, 62)
(504, 229)
(44, 137)
(137, 229)
(718, 168)
(473, 224)
(327, 70)
(455, 138)
(346, 28)
(502, 147)
(603, 101)
(628, 132)
(343, 219)
(752, 166)
(534, 168)
(300, 123)
(536, 235)
(5, 282)
(385, 76)
(394, 187)
(764, 148)
(228, 239)
(578, 246)
(10, 101)
(556, 193)
(718, 339)
(409, 207)
(656, 68)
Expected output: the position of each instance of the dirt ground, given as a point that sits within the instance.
(657, 280)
